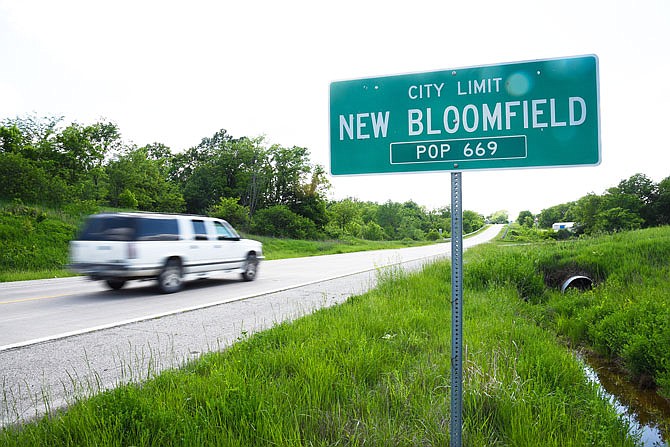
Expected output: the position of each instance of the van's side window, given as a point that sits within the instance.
(109, 228)
(231, 230)
(157, 230)
(222, 232)
(199, 230)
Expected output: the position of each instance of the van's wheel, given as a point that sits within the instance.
(250, 268)
(116, 284)
(171, 278)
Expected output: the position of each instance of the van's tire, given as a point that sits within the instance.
(171, 278)
(116, 284)
(250, 267)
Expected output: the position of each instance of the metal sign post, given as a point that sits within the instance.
(456, 311)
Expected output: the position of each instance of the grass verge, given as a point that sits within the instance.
(275, 248)
(372, 371)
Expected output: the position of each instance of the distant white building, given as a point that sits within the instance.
(562, 226)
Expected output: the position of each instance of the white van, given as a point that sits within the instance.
(172, 248)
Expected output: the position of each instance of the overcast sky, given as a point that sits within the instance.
(175, 72)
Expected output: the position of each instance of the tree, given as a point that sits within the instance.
(160, 152)
(440, 221)
(525, 219)
(586, 210)
(289, 167)
(415, 222)
(368, 211)
(78, 153)
(36, 137)
(230, 210)
(184, 164)
(617, 219)
(224, 167)
(372, 232)
(472, 221)
(640, 186)
(661, 206)
(343, 212)
(11, 139)
(279, 221)
(558, 213)
(499, 217)
(646, 192)
(127, 199)
(147, 178)
(389, 217)
(310, 200)
(26, 180)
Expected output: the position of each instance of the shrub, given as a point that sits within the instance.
(433, 235)
(279, 221)
(127, 199)
(22, 179)
(230, 210)
(31, 240)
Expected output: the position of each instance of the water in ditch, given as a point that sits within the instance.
(647, 413)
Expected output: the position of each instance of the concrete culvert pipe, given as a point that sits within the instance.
(579, 282)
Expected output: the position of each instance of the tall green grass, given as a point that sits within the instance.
(33, 240)
(626, 317)
(372, 371)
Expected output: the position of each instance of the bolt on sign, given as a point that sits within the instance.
(542, 113)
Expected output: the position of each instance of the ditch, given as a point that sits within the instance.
(647, 413)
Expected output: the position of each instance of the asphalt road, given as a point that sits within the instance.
(62, 339)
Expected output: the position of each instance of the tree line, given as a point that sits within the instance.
(263, 189)
(636, 202)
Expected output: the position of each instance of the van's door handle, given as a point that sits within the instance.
(194, 246)
(217, 246)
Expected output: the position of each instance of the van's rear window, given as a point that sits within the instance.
(127, 228)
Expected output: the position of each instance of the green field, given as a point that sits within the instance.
(376, 369)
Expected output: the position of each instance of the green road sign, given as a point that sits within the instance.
(541, 113)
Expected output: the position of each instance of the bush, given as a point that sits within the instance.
(433, 235)
(518, 233)
(418, 234)
(231, 211)
(127, 199)
(24, 180)
(279, 221)
(79, 208)
(560, 235)
(372, 231)
(31, 240)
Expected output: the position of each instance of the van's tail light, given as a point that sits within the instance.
(132, 251)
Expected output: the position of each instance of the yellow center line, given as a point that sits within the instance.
(23, 300)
